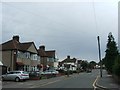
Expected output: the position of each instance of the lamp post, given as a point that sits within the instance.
(99, 56)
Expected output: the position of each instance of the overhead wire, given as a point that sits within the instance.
(95, 17)
(38, 15)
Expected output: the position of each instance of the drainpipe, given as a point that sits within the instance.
(10, 62)
(14, 60)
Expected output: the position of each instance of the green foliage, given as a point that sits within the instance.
(111, 53)
(92, 64)
(84, 65)
(116, 66)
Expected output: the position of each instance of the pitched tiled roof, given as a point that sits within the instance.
(67, 60)
(42, 53)
(25, 46)
(50, 53)
(14, 44)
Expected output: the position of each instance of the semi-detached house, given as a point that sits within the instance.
(48, 58)
(69, 63)
(20, 56)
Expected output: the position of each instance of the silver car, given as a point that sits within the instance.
(50, 72)
(16, 76)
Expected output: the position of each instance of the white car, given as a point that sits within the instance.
(54, 71)
(16, 76)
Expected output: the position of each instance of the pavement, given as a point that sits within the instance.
(106, 82)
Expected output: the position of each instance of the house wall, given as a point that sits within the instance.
(30, 63)
(56, 65)
(32, 49)
(34, 62)
(7, 59)
(44, 61)
(71, 68)
(50, 62)
(24, 61)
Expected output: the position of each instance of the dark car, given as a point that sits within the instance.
(35, 74)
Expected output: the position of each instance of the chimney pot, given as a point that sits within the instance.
(16, 38)
(42, 47)
(68, 57)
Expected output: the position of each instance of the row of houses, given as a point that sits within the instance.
(25, 56)
(70, 64)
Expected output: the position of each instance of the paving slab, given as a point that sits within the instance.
(107, 82)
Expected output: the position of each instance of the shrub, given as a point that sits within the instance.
(116, 66)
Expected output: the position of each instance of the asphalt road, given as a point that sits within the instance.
(82, 80)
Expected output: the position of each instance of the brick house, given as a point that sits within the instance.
(47, 58)
(43, 57)
(20, 56)
(51, 58)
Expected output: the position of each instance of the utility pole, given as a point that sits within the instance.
(99, 56)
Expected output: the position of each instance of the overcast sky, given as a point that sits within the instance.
(70, 28)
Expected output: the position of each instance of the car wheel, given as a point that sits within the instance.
(17, 79)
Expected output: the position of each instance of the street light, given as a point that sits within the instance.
(99, 56)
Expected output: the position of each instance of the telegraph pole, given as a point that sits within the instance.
(99, 56)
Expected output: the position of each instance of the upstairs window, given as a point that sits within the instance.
(27, 55)
(34, 57)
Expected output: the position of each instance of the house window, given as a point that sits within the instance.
(27, 55)
(23, 55)
(50, 60)
(34, 57)
(38, 58)
(26, 68)
(31, 56)
(32, 68)
(20, 54)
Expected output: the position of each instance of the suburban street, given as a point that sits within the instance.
(81, 80)
(55, 44)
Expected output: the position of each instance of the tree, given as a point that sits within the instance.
(92, 64)
(111, 53)
(84, 65)
(116, 66)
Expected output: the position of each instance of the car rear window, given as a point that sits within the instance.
(25, 72)
(17, 72)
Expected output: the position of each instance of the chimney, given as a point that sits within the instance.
(16, 38)
(42, 47)
(68, 57)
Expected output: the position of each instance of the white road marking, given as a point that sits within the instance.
(95, 83)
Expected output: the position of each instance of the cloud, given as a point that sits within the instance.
(69, 28)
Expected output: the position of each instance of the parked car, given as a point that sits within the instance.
(16, 76)
(47, 72)
(50, 72)
(53, 71)
(35, 74)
